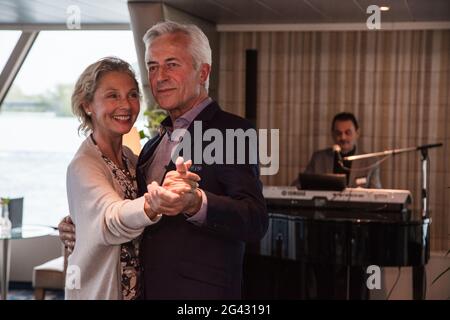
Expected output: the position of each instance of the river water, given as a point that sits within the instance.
(35, 149)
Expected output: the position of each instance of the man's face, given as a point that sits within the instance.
(345, 135)
(176, 85)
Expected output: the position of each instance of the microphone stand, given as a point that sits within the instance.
(424, 166)
(418, 272)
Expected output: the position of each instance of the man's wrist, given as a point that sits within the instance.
(196, 205)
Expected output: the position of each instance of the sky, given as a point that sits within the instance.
(61, 56)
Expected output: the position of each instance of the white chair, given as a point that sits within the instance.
(50, 275)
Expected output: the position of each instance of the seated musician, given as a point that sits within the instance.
(345, 133)
(330, 281)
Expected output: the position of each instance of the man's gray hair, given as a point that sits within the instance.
(198, 47)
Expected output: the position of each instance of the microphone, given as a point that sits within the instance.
(337, 153)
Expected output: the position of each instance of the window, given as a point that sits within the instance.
(38, 133)
(8, 39)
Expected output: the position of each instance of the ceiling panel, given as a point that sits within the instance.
(399, 11)
(309, 11)
(228, 11)
(338, 11)
(55, 11)
(430, 10)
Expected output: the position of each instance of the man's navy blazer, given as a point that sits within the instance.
(184, 261)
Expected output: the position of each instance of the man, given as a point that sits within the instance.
(328, 280)
(197, 253)
(360, 173)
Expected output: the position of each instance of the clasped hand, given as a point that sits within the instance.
(178, 194)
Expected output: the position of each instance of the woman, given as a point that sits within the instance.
(102, 189)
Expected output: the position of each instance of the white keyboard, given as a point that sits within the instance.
(356, 196)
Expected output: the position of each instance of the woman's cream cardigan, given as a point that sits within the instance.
(103, 220)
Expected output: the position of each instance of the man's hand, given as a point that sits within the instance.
(178, 194)
(192, 200)
(181, 181)
(66, 230)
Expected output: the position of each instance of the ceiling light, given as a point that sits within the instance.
(384, 8)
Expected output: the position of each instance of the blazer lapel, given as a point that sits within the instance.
(204, 116)
(143, 159)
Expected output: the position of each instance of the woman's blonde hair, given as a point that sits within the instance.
(87, 84)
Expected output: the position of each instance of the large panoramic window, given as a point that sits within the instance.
(8, 39)
(37, 129)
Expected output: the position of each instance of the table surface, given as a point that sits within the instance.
(28, 231)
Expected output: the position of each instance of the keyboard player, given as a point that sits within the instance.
(345, 133)
(330, 281)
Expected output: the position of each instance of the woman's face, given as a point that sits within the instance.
(115, 105)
